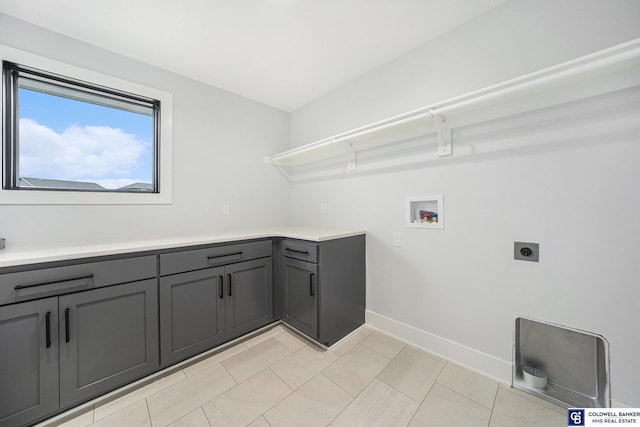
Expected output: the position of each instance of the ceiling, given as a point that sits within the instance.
(284, 53)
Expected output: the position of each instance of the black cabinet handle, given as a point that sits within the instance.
(312, 291)
(66, 325)
(224, 255)
(229, 277)
(297, 251)
(47, 318)
(18, 287)
(220, 287)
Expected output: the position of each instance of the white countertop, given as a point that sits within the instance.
(10, 257)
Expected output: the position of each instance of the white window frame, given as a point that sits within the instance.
(165, 152)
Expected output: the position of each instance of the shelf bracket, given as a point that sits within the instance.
(350, 155)
(444, 134)
(282, 169)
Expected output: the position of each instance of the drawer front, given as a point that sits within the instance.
(45, 282)
(180, 262)
(303, 251)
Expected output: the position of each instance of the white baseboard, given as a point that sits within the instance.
(483, 363)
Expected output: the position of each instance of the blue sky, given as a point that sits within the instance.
(67, 139)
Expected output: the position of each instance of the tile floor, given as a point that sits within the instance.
(278, 379)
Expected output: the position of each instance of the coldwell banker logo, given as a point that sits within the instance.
(576, 417)
(603, 416)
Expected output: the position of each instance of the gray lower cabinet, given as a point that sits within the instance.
(59, 351)
(203, 308)
(249, 296)
(322, 286)
(28, 361)
(72, 331)
(191, 313)
(108, 337)
(300, 302)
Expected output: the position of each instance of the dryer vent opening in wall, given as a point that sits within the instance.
(562, 365)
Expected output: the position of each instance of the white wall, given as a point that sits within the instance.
(566, 177)
(219, 141)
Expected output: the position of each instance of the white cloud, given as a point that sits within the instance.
(80, 153)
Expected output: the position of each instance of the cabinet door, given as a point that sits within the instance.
(28, 361)
(249, 294)
(191, 313)
(108, 337)
(300, 305)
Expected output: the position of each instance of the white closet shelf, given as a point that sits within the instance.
(609, 70)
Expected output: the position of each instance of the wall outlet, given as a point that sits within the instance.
(323, 208)
(526, 251)
(397, 240)
(225, 209)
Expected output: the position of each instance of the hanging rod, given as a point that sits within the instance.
(592, 62)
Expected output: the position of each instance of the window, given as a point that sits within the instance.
(64, 164)
(67, 135)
